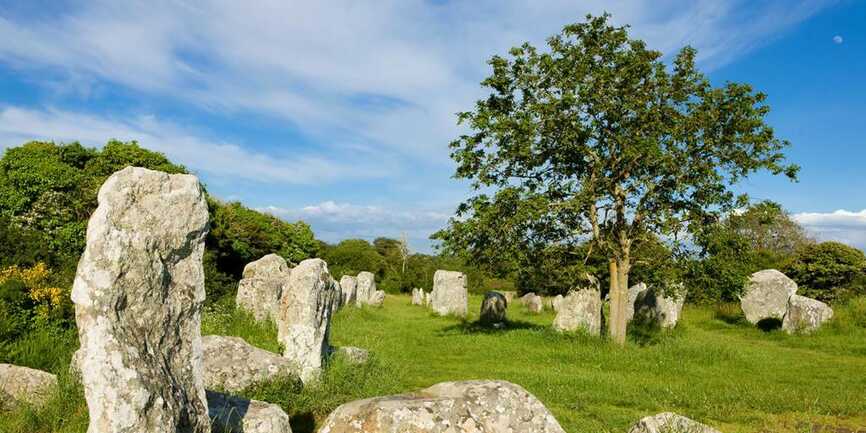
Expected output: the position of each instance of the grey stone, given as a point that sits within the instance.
(534, 303)
(349, 289)
(238, 415)
(556, 302)
(805, 315)
(668, 422)
(366, 287)
(509, 295)
(664, 309)
(304, 321)
(138, 294)
(766, 295)
(493, 308)
(417, 296)
(580, 309)
(377, 299)
(261, 287)
(449, 293)
(633, 293)
(355, 355)
(449, 407)
(24, 385)
(231, 364)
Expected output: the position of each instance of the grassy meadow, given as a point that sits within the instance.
(714, 368)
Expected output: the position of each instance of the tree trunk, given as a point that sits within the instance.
(618, 300)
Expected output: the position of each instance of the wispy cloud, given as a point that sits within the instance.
(840, 225)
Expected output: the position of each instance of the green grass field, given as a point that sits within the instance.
(713, 368)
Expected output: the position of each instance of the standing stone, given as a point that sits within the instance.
(556, 302)
(305, 317)
(633, 293)
(428, 299)
(25, 385)
(348, 288)
(805, 315)
(449, 293)
(525, 298)
(261, 287)
(138, 294)
(766, 295)
(449, 407)
(580, 310)
(417, 296)
(493, 309)
(668, 422)
(509, 295)
(378, 298)
(664, 309)
(238, 415)
(534, 303)
(231, 364)
(366, 287)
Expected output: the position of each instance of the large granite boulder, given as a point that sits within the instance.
(449, 407)
(366, 287)
(231, 364)
(633, 293)
(449, 293)
(805, 315)
(662, 308)
(580, 309)
(349, 289)
(493, 309)
(238, 415)
(766, 295)
(261, 287)
(305, 317)
(138, 294)
(668, 422)
(24, 385)
(417, 296)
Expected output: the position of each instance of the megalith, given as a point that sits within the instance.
(766, 295)
(449, 293)
(580, 309)
(261, 287)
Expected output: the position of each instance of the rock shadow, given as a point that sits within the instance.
(303, 423)
(478, 327)
(769, 324)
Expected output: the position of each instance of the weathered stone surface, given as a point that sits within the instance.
(766, 295)
(428, 299)
(238, 415)
(305, 317)
(366, 288)
(138, 293)
(534, 303)
(355, 355)
(493, 308)
(805, 315)
(668, 422)
(260, 289)
(417, 296)
(509, 295)
(449, 295)
(449, 407)
(664, 309)
(349, 289)
(633, 293)
(377, 299)
(231, 364)
(556, 302)
(580, 309)
(24, 385)
(526, 297)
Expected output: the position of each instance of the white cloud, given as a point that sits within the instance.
(840, 225)
(837, 39)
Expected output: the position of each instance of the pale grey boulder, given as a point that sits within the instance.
(417, 296)
(534, 303)
(766, 294)
(366, 288)
(231, 364)
(449, 407)
(633, 293)
(24, 385)
(580, 309)
(493, 309)
(664, 309)
(668, 422)
(230, 414)
(556, 302)
(349, 289)
(304, 318)
(377, 299)
(805, 315)
(261, 287)
(138, 294)
(449, 295)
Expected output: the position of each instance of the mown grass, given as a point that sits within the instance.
(714, 368)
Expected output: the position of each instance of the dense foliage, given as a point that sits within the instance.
(828, 271)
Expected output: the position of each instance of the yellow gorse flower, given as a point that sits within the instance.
(35, 280)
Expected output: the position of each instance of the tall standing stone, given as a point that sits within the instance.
(349, 289)
(366, 287)
(766, 295)
(580, 310)
(305, 317)
(261, 287)
(138, 294)
(493, 309)
(449, 293)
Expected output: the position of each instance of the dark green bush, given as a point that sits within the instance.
(828, 271)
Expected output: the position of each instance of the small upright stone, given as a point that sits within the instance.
(668, 422)
(556, 302)
(633, 293)
(366, 287)
(580, 310)
(305, 317)
(417, 296)
(349, 289)
(534, 303)
(766, 295)
(138, 294)
(805, 315)
(378, 298)
(449, 293)
(493, 309)
(24, 385)
(234, 414)
(261, 287)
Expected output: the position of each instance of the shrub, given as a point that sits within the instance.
(828, 271)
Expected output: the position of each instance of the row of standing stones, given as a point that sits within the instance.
(145, 366)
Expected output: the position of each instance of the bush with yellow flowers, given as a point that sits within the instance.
(31, 289)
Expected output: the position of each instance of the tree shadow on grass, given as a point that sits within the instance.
(477, 327)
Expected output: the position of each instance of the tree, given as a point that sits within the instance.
(829, 271)
(599, 140)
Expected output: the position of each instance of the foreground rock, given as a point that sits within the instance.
(349, 289)
(493, 309)
(237, 415)
(24, 385)
(449, 293)
(805, 315)
(766, 295)
(668, 422)
(231, 364)
(663, 309)
(305, 317)
(417, 296)
(449, 407)
(261, 287)
(138, 294)
(580, 309)
(366, 288)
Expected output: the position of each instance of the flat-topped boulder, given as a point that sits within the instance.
(231, 364)
(580, 309)
(138, 294)
(238, 415)
(449, 407)
(449, 295)
(493, 309)
(261, 287)
(805, 315)
(765, 296)
(24, 385)
(669, 422)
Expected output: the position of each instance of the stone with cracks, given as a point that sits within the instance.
(24, 385)
(805, 315)
(305, 317)
(493, 308)
(231, 364)
(449, 407)
(366, 288)
(377, 299)
(261, 287)
(766, 295)
(238, 415)
(138, 294)
(580, 309)
(668, 422)
(449, 293)
(664, 309)
(348, 288)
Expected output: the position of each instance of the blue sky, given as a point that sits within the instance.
(339, 113)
